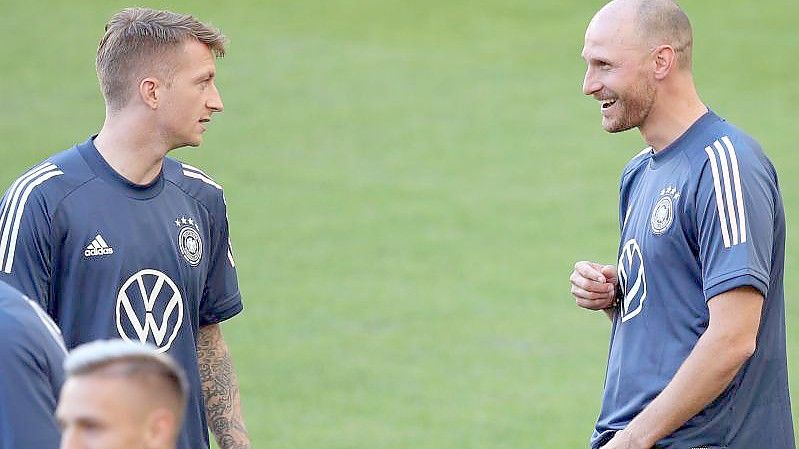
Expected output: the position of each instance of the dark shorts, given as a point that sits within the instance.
(609, 436)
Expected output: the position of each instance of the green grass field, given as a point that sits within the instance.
(409, 184)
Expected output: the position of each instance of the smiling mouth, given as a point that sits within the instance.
(607, 104)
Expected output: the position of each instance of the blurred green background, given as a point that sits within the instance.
(409, 184)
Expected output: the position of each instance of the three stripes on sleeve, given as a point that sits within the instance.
(14, 206)
(729, 194)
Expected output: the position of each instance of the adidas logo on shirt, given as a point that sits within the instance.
(98, 247)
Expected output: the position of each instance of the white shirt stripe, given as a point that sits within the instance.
(717, 186)
(737, 182)
(626, 216)
(49, 324)
(18, 216)
(728, 192)
(196, 173)
(12, 197)
(15, 204)
(202, 178)
(194, 169)
(13, 189)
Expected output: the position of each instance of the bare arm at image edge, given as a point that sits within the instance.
(220, 390)
(719, 354)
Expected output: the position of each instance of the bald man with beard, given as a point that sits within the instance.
(697, 354)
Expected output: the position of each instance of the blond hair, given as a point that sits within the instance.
(138, 42)
(140, 363)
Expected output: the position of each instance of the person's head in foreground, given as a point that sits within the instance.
(120, 394)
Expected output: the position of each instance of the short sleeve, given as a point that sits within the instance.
(25, 233)
(221, 299)
(736, 204)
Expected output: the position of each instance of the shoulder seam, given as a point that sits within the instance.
(195, 173)
(6, 263)
(198, 200)
(14, 208)
(630, 166)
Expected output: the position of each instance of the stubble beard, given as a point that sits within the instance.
(634, 108)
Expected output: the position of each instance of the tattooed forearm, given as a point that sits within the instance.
(221, 390)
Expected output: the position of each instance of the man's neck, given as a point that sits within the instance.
(132, 149)
(675, 110)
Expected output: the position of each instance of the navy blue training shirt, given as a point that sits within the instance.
(31, 373)
(699, 218)
(107, 258)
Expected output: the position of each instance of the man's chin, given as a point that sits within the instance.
(616, 126)
(193, 144)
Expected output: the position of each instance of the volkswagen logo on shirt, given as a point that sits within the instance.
(632, 279)
(149, 309)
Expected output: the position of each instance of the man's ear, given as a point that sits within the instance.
(161, 428)
(148, 91)
(665, 60)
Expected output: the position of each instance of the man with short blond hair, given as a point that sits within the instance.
(115, 239)
(141, 41)
(121, 395)
(697, 354)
